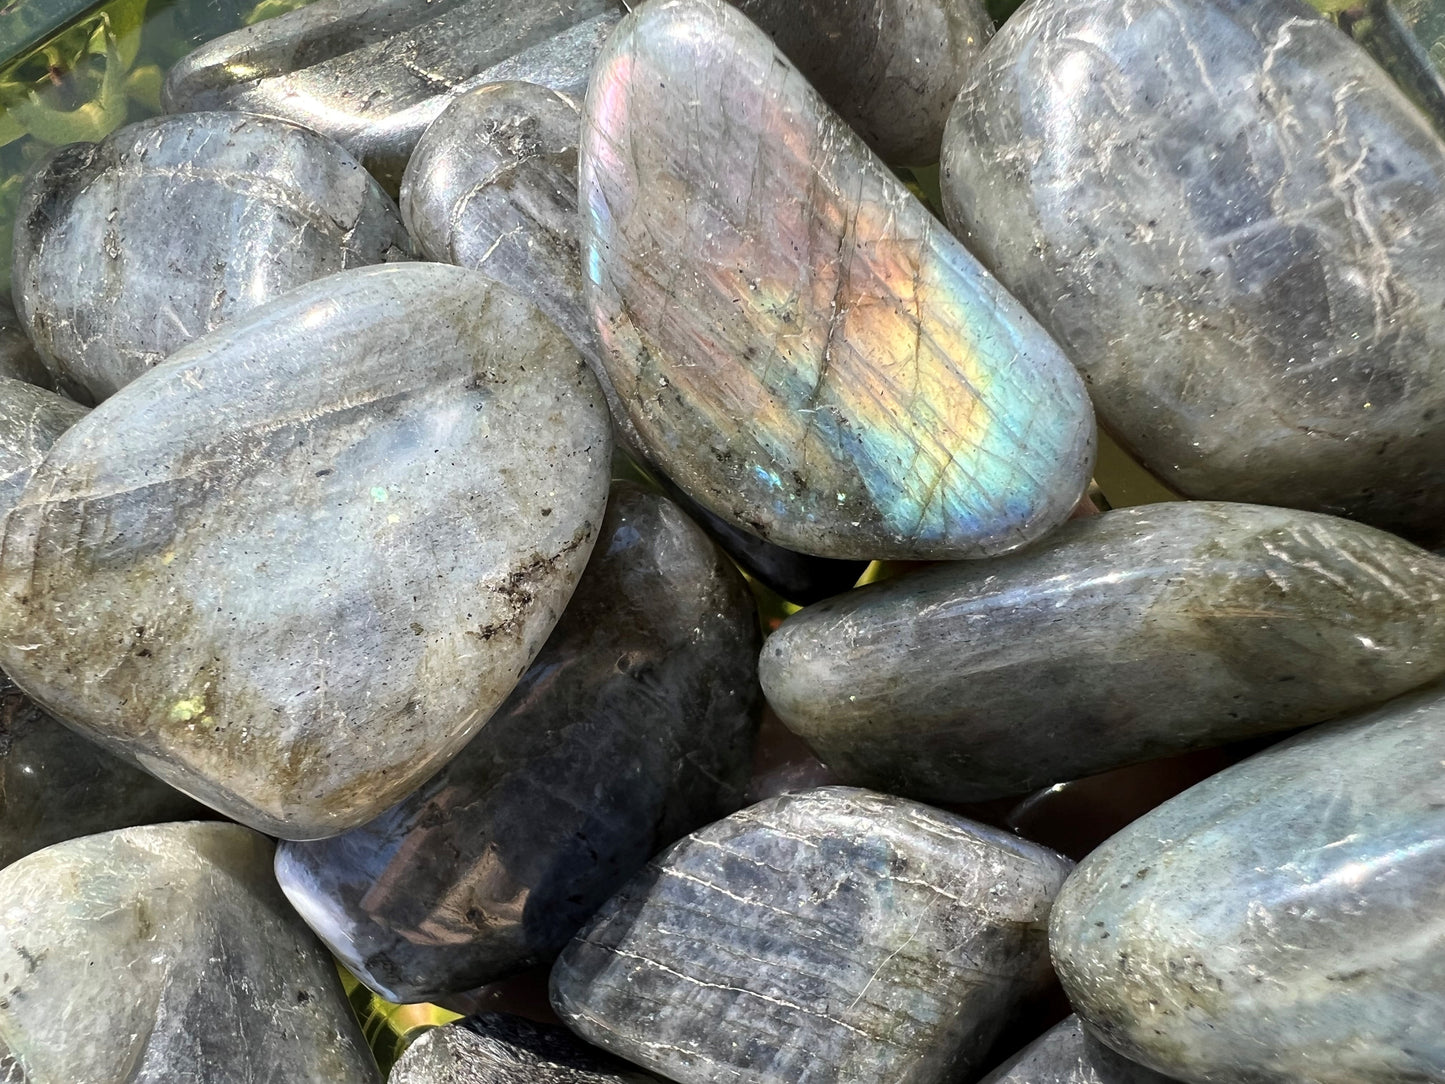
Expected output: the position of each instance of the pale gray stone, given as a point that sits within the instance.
(18, 359)
(498, 1048)
(31, 420)
(1068, 1054)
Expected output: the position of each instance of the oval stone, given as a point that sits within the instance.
(128, 249)
(499, 1048)
(1231, 220)
(1283, 922)
(801, 346)
(1135, 634)
(1068, 1054)
(293, 570)
(31, 420)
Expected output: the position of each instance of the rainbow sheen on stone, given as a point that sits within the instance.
(805, 350)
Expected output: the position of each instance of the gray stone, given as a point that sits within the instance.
(294, 569)
(374, 75)
(1136, 634)
(634, 726)
(1231, 220)
(498, 1048)
(128, 249)
(1282, 922)
(18, 359)
(31, 420)
(164, 954)
(1068, 1054)
(833, 934)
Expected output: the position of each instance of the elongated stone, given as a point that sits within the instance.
(634, 726)
(294, 569)
(166, 954)
(374, 75)
(128, 249)
(18, 359)
(802, 348)
(498, 1048)
(833, 934)
(1230, 218)
(1123, 637)
(31, 420)
(1283, 921)
(1068, 1054)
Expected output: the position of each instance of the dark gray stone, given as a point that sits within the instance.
(128, 249)
(31, 420)
(1136, 634)
(634, 725)
(1232, 221)
(833, 934)
(295, 568)
(1068, 1054)
(498, 1048)
(1282, 922)
(18, 359)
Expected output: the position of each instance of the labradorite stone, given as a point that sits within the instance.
(293, 569)
(128, 249)
(1282, 922)
(18, 359)
(1139, 633)
(800, 346)
(165, 954)
(634, 726)
(499, 1048)
(1230, 218)
(833, 934)
(31, 420)
(1068, 1054)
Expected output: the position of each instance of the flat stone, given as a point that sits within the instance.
(164, 954)
(634, 725)
(374, 75)
(31, 420)
(833, 934)
(1136, 634)
(800, 345)
(1068, 1054)
(18, 359)
(499, 1048)
(1280, 922)
(294, 590)
(1230, 218)
(128, 249)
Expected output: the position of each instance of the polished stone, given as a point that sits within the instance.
(128, 249)
(164, 954)
(1068, 1054)
(31, 420)
(18, 359)
(293, 570)
(1283, 922)
(800, 345)
(833, 934)
(634, 725)
(498, 1048)
(1136, 634)
(1231, 220)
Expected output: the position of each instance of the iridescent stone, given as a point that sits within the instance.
(165, 954)
(18, 359)
(292, 570)
(800, 345)
(633, 726)
(1230, 218)
(31, 420)
(499, 1048)
(128, 249)
(1135, 634)
(829, 935)
(1283, 922)
(1068, 1054)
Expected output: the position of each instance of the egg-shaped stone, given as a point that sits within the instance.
(1068, 1054)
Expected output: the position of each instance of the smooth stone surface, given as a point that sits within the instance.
(1232, 221)
(834, 934)
(804, 350)
(31, 420)
(128, 249)
(1135, 634)
(498, 1048)
(164, 954)
(374, 75)
(1068, 1054)
(634, 725)
(18, 359)
(1284, 920)
(295, 568)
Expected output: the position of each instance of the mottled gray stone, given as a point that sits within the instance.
(166, 954)
(634, 725)
(374, 75)
(498, 1048)
(292, 570)
(829, 935)
(1135, 634)
(128, 249)
(1282, 922)
(31, 420)
(18, 359)
(1231, 220)
(1068, 1054)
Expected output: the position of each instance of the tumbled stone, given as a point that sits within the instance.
(634, 725)
(165, 954)
(1068, 1054)
(294, 569)
(1135, 634)
(1283, 921)
(374, 75)
(800, 345)
(31, 420)
(499, 1048)
(829, 935)
(18, 359)
(1230, 218)
(128, 249)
